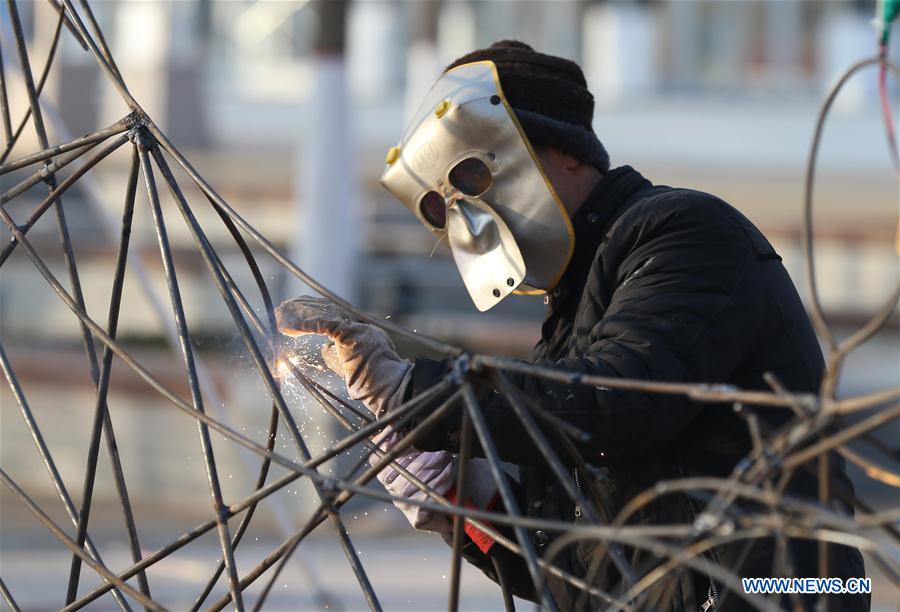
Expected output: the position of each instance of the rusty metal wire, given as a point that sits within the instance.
(815, 434)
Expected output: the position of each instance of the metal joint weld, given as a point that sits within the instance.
(462, 366)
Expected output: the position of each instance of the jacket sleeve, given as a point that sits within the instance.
(685, 303)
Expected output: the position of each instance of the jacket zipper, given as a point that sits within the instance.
(577, 486)
(712, 596)
(712, 593)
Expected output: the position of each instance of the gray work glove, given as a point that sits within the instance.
(438, 470)
(362, 354)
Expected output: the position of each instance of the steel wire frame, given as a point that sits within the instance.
(805, 442)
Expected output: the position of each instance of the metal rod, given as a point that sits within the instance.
(188, 353)
(116, 128)
(269, 561)
(101, 40)
(268, 305)
(45, 174)
(273, 419)
(251, 510)
(862, 402)
(462, 495)
(7, 597)
(69, 256)
(509, 502)
(263, 370)
(56, 193)
(14, 138)
(100, 58)
(102, 420)
(872, 325)
(831, 442)
(697, 391)
(61, 10)
(386, 458)
(69, 302)
(397, 416)
(4, 105)
(44, 451)
(112, 446)
(237, 437)
(67, 541)
(41, 132)
(51, 54)
(815, 305)
(217, 201)
(68, 253)
(27, 76)
(147, 561)
(545, 416)
(565, 478)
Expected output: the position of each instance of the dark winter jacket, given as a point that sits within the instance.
(671, 285)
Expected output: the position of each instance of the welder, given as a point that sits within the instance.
(641, 281)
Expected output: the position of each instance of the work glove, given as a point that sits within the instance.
(438, 470)
(362, 354)
(365, 357)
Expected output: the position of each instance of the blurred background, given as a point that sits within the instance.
(288, 108)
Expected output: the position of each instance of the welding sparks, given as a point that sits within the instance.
(303, 355)
(282, 367)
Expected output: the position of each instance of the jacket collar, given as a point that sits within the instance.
(606, 203)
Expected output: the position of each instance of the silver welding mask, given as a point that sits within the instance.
(466, 169)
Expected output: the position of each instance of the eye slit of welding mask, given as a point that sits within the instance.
(471, 177)
(434, 209)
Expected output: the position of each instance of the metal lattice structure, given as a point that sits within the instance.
(816, 431)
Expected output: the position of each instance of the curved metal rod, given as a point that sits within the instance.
(891, 479)
(8, 598)
(264, 372)
(44, 452)
(828, 443)
(190, 366)
(119, 126)
(273, 419)
(762, 467)
(77, 550)
(251, 510)
(815, 310)
(244, 441)
(501, 519)
(12, 138)
(59, 190)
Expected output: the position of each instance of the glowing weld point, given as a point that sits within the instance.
(282, 367)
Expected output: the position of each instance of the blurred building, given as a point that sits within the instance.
(714, 95)
(718, 96)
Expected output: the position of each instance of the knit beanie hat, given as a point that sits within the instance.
(549, 96)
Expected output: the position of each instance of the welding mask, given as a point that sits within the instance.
(466, 169)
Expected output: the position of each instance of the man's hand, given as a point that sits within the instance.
(438, 471)
(363, 354)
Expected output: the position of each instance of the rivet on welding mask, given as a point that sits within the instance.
(442, 109)
(393, 155)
